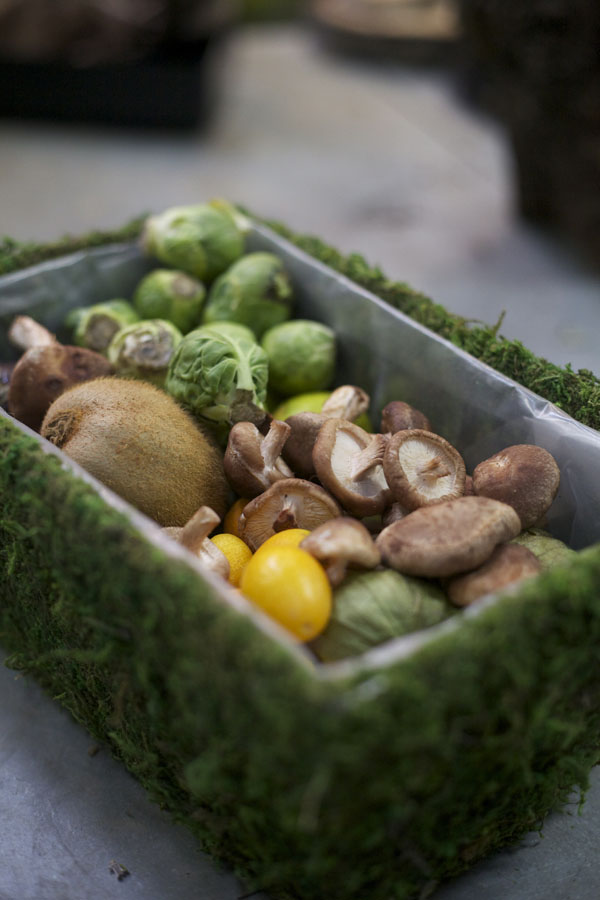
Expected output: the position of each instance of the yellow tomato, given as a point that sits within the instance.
(290, 537)
(290, 586)
(232, 517)
(237, 552)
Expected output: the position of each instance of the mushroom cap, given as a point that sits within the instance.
(422, 468)
(289, 503)
(525, 476)
(251, 461)
(44, 372)
(399, 416)
(339, 543)
(297, 450)
(508, 564)
(346, 402)
(348, 461)
(447, 538)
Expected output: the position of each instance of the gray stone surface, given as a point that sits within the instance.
(376, 159)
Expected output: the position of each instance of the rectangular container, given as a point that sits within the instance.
(374, 777)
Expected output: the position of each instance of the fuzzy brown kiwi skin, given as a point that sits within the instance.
(137, 440)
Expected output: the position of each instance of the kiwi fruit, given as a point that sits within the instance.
(138, 441)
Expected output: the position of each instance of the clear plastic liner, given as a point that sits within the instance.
(385, 352)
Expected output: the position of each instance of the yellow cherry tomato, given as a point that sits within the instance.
(290, 586)
(232, 517)
(290, 537)
(237, 552)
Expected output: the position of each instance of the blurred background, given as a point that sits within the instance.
(456, 143)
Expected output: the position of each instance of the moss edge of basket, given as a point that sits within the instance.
(428, 817)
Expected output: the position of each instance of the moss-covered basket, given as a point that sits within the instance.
(376, 782)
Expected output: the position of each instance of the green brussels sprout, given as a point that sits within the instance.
(95, 326)
(255, 290)
(233, 329)
(143, 350)
(301, 356)
(202, 240)
(171, 295)
(549, 550)
(219, 378)
(372, 607)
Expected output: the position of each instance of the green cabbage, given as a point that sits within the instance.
(202, 240)
(171, 295)
(219, 378)
(143, 350)
(95, 326)
(255, 291)
(372, 607)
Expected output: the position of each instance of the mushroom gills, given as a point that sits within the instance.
(427, 467)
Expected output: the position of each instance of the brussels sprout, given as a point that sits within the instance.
(549, 550)
(172, 295)
(202, 240)
(219, 378)
(95, 326)
(301, 356)
(372, 607)
(143, 350)
(232, 329)
(255, 291)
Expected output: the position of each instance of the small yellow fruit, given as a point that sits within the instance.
(237, 552)
(291, 537)
(232, 519)
(290, 586)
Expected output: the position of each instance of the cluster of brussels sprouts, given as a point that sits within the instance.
(213, 325)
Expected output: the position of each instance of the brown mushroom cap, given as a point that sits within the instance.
(394, 512)
(447, 538)
(508, 564)
(524, 476)
(340, 543)
(43, 372)
(252, 462)
(345, 402)
(400, 416)
(422, 468)
(348, 461)
(289, 503)
(297, 450)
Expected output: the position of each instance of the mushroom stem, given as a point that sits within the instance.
(25, 333)
(197, 529)
(367, 459)
(272, 443)
(434, 468)
(346, 402)
(286, 519)
(335, 570)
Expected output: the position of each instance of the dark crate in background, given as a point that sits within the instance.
(173, 87)
(536, 66)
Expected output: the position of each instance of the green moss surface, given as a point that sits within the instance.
(377, 783)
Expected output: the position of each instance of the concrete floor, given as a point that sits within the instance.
(381, 160)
